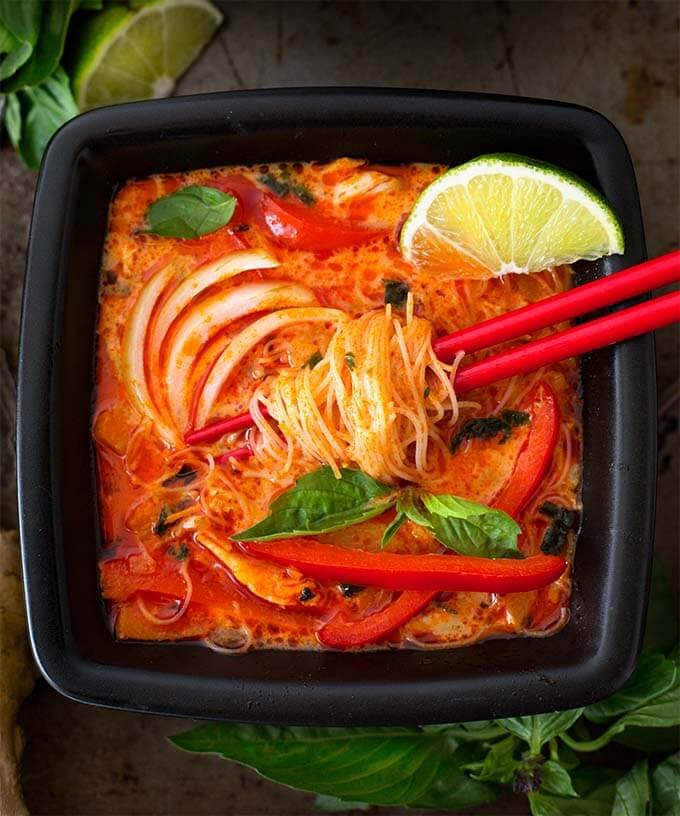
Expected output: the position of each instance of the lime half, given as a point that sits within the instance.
(126, 55)
(504, 213)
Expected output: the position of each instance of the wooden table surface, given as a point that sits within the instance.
(621, 58)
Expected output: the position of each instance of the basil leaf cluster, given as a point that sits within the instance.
(35, 88)
(468, 527)
(319, 502)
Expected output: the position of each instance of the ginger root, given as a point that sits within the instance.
(17, 673)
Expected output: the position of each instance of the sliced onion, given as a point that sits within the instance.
(200, 279)
(211, 315)
(243, 342)
(134, 344)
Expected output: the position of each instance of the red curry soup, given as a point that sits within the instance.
(358, 501)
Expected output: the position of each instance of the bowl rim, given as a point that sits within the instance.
(80, 677)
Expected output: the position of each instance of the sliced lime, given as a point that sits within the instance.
(126, 55)
(504, 213)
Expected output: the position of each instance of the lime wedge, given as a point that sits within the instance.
(504, 213)
(126, 55)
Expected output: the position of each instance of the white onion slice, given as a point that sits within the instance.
(243, 342)
(200, 322)
(134, 344)
(200, 279)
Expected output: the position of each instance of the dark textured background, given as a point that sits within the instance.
(621, 58)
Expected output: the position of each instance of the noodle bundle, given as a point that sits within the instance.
(372, 401)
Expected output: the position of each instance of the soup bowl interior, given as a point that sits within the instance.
(595, 652)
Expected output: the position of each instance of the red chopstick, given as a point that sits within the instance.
(215, 430)
(537, 353)
(604, 331)
(580, 300)
(244, 452)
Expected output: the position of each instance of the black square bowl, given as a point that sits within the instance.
(591, 657)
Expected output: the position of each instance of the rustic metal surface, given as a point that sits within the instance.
(621, 58)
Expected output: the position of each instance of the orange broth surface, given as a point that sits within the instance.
(159, 502)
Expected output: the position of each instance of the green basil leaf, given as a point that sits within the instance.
(8, 42)
(652, 740)
(319, 503)
(540, 728)
(22, 19)
(595, 787)
(314, 360)
(632, 796)
(661, 712)
(598, 803)
(654, 675)
(331, 804)
(477, 729)
(453, 789)
(589, 778)
(465, 526)
(409, 504)
(190, 212)
(666, 787)
(555, 779)
(490, 427)
(48, 48)
(541, 805)
(381, 766)
(396, 292)
(12, 118)
(566, 756)
(301, 192)
(392, 529)
(279, 188)
(16, 52)
(499, 764)
(41, 110)
(284, 186)
(661, 631)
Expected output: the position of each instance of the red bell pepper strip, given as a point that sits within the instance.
(248, 195)
(300, 227)
(451, 573)
(120, 582)
(536, 455)
(342, 632)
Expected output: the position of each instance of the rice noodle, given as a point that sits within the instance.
(241, 648)
(218, 489)
(184, 572)
(379, 412)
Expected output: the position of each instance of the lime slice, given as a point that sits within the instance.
(126, 55)
(504, 213)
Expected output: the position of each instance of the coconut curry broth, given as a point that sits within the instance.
(168, 570)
